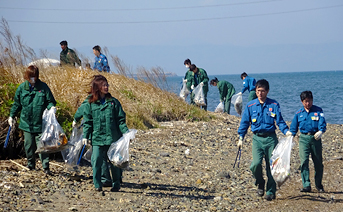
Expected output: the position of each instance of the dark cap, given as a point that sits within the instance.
(64, 43)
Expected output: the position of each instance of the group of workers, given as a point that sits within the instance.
(68, 57)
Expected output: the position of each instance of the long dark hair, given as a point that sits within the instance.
(96, 84)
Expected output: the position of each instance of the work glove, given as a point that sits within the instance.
(185, 80)
(86, 141)
(318, 135)
(288, 133)
(192, 87)
(73, 124)
(202, 84)
(53, 108)
(80, 67)
(240, 93)
(11, 121)
(240, 142)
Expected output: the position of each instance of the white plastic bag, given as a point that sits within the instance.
(237, 102)
(184, 91)
(88, 155)
(118, 153)
(199, 97)
(53, 139)
(280, 161)
(219, 108)
(71, 155)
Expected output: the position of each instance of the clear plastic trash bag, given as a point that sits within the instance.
(199, 97)
(118, 153)
(219, 108)
(280, 161)
(237, 102)
(88, 155)
(71, 155)
(53, 139)
(184, 91)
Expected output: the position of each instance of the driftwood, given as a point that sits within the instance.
(21, 166)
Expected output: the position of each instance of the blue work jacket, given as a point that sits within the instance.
(248, 84)
(262, 118)
(308, 122)
(101, 63)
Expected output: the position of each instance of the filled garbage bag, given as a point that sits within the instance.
(199, 97)
(118, 153)
(71, 155)
(237, 102)
(219, 108)
(280, 161)
(53, 139)
(184, 91)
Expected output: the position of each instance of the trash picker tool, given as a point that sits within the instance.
(239, 159)
(7, 137)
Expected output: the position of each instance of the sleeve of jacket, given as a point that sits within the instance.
(322, 122)
(221, 91)
(105, 64)
(121, 116)
(76, 58)
(231, 91)
(205, 81)
(50, 100)
(245, 85)
(294, 125)
(245, 122)
(16, 107)
(79, 113)
(279, 120)
(88, 118)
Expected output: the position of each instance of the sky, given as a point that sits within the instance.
(221, 36)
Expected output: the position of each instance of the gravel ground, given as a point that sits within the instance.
(182, 166)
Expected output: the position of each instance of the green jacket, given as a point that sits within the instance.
(69, 57)
(189, 76)
(79, 113)
(32, 105)
(202, 77)
(226, 90)
(106, 122)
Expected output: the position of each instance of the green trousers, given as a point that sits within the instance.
(227, 105)
(308, 145)
(100, 163)
(191, 96)
(263, 147)
(31, 141)
(252, 95)
(205, 97)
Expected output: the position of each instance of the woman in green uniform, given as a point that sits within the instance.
(106, 121)
(31, 98)
(226, 91)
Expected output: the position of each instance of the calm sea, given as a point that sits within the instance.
(285, 88)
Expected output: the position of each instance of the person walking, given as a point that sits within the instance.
(31, 98)
(248, 84)
(105, 119)
(200, 78)
(226, 91)
(261, 114)
(68, 56)
(100, 62)
(311, 123)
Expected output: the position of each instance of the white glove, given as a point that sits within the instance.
(11, 121)
(192, 87)
(185, 80)
(240, 142)
(288, 133)
(73, 124)
(202, 84)
(53, 108)
(240, 93)
(86, 141)
(318, 135)
(80, 67)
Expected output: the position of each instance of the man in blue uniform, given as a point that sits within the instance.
(248, 84)
(262, 113)
(100, 63)
(311, 123)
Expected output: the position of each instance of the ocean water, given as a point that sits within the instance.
(285, 88)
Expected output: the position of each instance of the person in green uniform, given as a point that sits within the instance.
(105, 120)
(31, 99)
(262, 114)
(200, 78)
(226, 91)
(311, 123)
(189, 79)
(68, 56)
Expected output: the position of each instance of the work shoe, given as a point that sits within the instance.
(269, 197)
(115, 189)
(306, 189)
(47, 171)
(98, 189)
(260, 190)
(107, 184)
(320, 189)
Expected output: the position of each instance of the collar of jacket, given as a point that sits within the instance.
(36, 88)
